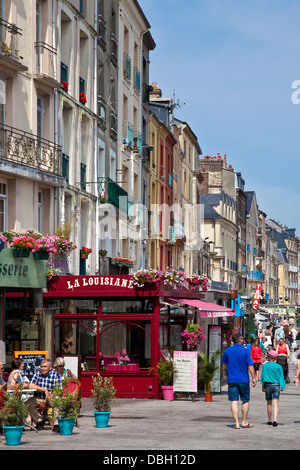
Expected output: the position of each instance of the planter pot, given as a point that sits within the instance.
(168, 393)
(41, 255)
(13, 435)
(66, 425)
(208, 396)
(102, 418)
(21, 253)
(84, 256)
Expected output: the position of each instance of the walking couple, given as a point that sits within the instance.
(239, 364)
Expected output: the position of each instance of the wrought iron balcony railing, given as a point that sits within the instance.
(23, 148)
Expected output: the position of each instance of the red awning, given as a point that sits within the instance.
(207, 309)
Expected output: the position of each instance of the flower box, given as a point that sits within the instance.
(41, 255)
(21, 253)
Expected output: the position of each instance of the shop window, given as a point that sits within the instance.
(113, 337)
(127, 306)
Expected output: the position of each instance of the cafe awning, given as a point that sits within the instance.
(207, 309)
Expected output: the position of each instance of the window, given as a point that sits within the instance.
(2, 100)
(40, 112)
(40, 211)
(3, 206)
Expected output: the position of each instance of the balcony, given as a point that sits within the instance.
(102, 32)
(128, 134)
(137, 80)
(101, 111)
(113, 124)
(23, 148)
(137, 143)
(9, 52)
(110, 192)
(45, 62)
(114, 49)
(256, 275)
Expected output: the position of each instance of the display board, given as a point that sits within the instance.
(74, 364)
(185, 380)
(32, 360)
(214, 345)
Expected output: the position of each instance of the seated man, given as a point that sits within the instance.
(43, 381)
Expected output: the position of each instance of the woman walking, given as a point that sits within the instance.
(272, 380)
(256, 356)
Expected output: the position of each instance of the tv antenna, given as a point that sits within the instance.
(177, 104)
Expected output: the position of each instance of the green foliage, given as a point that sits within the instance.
(65, 403)
(166, 371)
(208, 368)
(103, 393)
(15, 410)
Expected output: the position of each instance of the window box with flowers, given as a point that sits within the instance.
(65, 86)
(84, 252)
(198, 282)
(102, 198)
(82, 98)
(122, 262)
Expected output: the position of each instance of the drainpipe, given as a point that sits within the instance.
(56, 190)
(95, 138)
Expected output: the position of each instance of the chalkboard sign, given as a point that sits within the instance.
(32, 360)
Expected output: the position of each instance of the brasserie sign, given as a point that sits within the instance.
(21, 272)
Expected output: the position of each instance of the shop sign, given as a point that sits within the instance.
(256, 296)
(21, 272)
(98, 281)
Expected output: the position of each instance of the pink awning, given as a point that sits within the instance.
(207, 309)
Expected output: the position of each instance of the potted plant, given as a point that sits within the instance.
(103, 395)
(67, 407)
(13, 415)
(166, 371)
(208, 368)
(84, 252)
(102, 253)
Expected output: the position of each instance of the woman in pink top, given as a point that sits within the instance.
(283, 348)
(256, 356)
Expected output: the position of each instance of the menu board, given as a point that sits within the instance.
(214, 341)
(185, 380)
(32, 361)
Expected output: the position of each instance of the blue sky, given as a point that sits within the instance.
(232, 64)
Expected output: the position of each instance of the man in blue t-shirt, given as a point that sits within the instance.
(239, 363)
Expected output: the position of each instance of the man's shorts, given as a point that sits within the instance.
(272, 391)
(238, 391)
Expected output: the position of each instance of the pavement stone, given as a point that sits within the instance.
(182, 427)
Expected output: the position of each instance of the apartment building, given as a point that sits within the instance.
(218, 194)
(134, 45)
(287, 259)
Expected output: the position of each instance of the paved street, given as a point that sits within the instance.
(181, 425)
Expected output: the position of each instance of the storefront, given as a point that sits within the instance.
(99, 319)
(23, 326)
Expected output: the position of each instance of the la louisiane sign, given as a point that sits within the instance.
(21, 272)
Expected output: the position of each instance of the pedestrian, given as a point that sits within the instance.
(238, 363)
(279, 334)
(272, 380)
(256, 355)
(282, 348)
